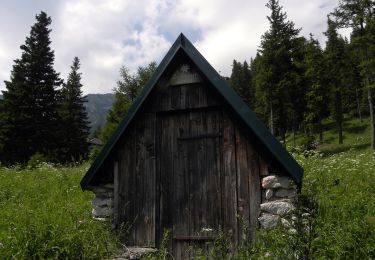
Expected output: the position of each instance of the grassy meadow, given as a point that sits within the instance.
(45, 214)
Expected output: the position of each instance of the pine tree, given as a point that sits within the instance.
(74, 127)
(29, 123)
(335, 72)
(275, 76)
(128, 88)
(317, 92)
(359, 15)
(241, 81)
(235, 77)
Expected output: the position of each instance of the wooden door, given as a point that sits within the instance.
(190, 190)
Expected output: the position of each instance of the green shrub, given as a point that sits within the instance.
(36, 160)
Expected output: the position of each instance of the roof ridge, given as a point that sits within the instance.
(246, 115)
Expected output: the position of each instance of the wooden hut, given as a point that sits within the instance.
(192, 158)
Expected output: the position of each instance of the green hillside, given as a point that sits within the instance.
(44, 213)
(356, 135)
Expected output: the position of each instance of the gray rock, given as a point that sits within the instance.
(285, 223)
(100, 212)
(101, 219)
(281, 193)
(101, 202)
(105, 194)
(269, 193)
(109, 186)
(268, 220)
(277, 207)
(97, 190)
(292, 193)
(135, 253)
(274, 181)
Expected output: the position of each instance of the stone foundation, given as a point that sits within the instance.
(278, 196)
(103, 202)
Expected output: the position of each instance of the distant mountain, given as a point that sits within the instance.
(97, 107)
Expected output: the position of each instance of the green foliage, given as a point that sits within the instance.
(342, 185)
(29, 121)
(36, 160)
(277, 76)
(74, 129)
(317, 91)
(360, 16)
(45, 215)
(162, 253)
(334, 218)
(241, 82)
(128, 88)
(336, 68)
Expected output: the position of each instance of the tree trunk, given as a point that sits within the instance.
(320, 130)
(294, 129)
(283, 135)
(358, 105)
(271, 110)
(371, 107)
(339, 115)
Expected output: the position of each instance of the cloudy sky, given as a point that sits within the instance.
(111, 33)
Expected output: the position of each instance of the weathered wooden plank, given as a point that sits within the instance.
(213, 97)
(213, 174)
(229, 193)
(166, 174)
(194, 238)
(188, 110)
(126, 182)
(181, 186)
(202, 95)
(183, 94)
(175, 97)
(116, 193)
(253, 159)
(191, 97)
(243, 172)
(145, 181)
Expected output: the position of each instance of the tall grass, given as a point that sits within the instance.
(44, 214)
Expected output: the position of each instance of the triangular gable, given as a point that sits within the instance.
(248, 117)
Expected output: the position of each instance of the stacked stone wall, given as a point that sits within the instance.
(103, 201)
(279, 194)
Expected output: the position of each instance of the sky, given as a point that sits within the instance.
(108, 34)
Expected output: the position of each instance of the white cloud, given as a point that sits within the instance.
(108, 34)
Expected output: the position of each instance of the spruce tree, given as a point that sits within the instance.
(317, 92)
(275, 76)
(74, 127)
(334, 56)
(241, 81)
(29, 123)
(360, 16)
(235, 77)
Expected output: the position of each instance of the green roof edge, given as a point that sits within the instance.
(249, 117)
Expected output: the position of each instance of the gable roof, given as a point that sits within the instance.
(248, 117)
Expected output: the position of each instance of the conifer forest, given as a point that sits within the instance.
(317, 98)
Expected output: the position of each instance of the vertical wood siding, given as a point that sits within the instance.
(185, 164)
